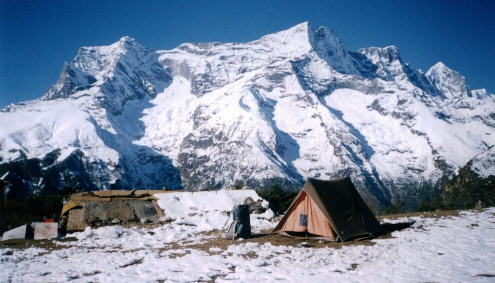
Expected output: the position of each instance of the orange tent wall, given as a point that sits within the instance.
(317, 223)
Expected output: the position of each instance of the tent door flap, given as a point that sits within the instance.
(303, 220)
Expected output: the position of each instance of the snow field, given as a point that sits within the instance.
(447, 249)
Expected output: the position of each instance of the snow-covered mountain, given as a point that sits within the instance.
(290, 105)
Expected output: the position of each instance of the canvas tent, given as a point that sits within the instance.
(109, 207)
(329, 209)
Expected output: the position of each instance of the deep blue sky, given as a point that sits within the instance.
(36, 37)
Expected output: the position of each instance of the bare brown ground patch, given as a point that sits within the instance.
(424, 214)
(45, 244)
(220, 245)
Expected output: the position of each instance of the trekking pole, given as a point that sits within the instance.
(223, 228)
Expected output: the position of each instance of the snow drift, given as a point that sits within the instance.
(210, 210)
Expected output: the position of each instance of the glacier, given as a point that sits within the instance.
(291, 105)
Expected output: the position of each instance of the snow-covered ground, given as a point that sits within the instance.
(446, 249)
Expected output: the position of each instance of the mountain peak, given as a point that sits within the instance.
(387, 60)
(301, 26)
(392, 50)
(450, 83)
(294, 41)
(114, 50)
(439, 66)
(296, 33)
(391, 67)
(329, 47)
(300, 29)
(376, 54)
(125, 59)
(127, 38)
(126, 43)
(479, 93)
(325, 38)
(300, 39)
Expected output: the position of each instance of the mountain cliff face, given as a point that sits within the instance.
(288, 106)
(474, 185)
